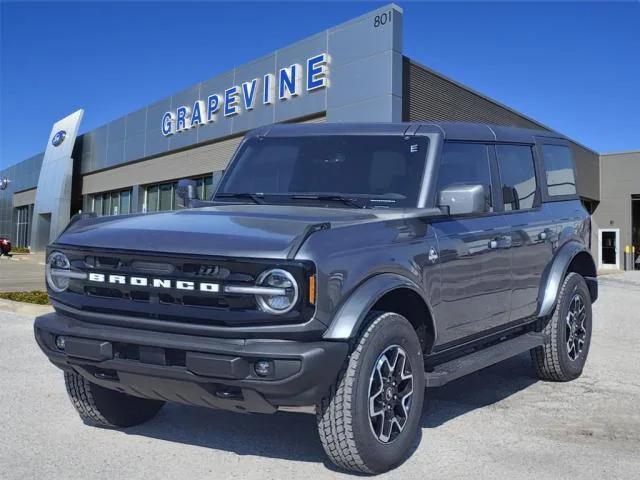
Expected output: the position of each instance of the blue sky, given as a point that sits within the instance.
(572, 66)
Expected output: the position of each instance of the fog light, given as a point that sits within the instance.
(263, 368)
(60, 342)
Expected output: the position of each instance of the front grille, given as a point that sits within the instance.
(228, 302)
(173, 304)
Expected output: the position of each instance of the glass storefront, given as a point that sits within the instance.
(157, 197)
(23, 226)
(205, 187)
(161, 197)
(111, 203)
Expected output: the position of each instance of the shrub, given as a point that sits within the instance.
(38, 297)
(20, 250)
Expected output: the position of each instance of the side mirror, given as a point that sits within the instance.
(464, 199)
(185, 193)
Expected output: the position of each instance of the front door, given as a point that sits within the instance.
(474, 251)
(475, 263)
(609, 247)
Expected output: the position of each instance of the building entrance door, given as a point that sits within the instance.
(609, 247)
(23, 225)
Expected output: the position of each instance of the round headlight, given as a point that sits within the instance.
(274, 303)
(57, 272)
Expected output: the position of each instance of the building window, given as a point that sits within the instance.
(559, 170)
(160, 197)
(23, 226)
(204, 187)
(111, 203)
(518, 176)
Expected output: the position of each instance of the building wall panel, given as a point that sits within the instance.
(620, 180)
(27, 197)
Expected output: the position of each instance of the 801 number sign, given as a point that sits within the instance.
(382, 19)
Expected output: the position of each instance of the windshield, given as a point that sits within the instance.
(377, 171)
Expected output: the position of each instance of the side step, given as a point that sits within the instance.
(459, 367)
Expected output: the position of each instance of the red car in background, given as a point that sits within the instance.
(5, 246)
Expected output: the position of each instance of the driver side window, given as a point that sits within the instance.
(465, 164)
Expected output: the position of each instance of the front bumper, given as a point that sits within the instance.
(204, 371)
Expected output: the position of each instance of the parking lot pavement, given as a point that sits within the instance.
(498, 423)
(22, 273)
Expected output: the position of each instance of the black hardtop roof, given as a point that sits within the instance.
(451, 130)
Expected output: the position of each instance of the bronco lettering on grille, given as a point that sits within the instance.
(154, 282)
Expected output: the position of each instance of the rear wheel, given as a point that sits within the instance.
(563, 357)
(371, 417)
(107, 408)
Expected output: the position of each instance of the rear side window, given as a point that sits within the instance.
(558, 167)
(518, 176)
(465, 164)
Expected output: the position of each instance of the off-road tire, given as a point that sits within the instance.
(103, 407)
(551, 360)
(343, 415)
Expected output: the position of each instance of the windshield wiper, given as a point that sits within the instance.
(352, 202)
(256, 198)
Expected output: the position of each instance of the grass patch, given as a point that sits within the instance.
(36, 296)
(20, 250)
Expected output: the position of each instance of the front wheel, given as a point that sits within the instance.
(369, 420)
(563, 356)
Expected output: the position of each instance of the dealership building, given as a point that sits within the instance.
(353, 72)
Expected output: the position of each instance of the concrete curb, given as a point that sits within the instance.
(21, 308)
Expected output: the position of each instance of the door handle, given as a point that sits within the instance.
(500, 242)
(545, 234)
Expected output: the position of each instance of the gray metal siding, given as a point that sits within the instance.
(28, 197)
(587, 172)
(23, 176)
(430, 96)
(433, 97)
(187, 163)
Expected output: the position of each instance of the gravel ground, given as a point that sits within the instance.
(498, 423)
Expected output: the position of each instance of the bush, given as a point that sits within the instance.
(38, 297)
(20, 250)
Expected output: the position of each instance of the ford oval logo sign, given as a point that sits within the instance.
(58, 138)
(4, 183)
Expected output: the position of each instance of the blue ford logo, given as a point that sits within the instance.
(58, 138)
(4, 183)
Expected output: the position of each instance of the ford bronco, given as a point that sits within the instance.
(343, 267)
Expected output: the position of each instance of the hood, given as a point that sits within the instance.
(251, 231)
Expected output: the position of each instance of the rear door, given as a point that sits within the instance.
(531, 225)
(475, 259)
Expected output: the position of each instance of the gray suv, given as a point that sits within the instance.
(343, 267)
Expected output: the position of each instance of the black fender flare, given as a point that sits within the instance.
(351, 314)
(551, 282)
